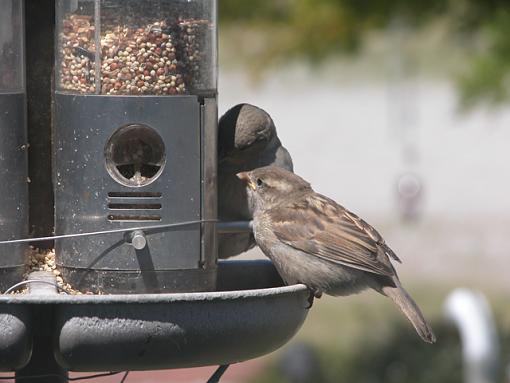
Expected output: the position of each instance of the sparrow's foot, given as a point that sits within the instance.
(311, 297)
(313, 294)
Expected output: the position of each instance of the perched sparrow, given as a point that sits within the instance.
(246, 140)
(313, 240)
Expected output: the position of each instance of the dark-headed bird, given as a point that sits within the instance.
(247, 140)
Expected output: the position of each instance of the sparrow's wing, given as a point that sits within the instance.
(317, 225)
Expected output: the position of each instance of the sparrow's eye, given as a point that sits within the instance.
(259, 182)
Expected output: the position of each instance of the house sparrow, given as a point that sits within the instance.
(246, 140)
(313, 240)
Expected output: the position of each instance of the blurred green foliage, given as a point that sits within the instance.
(400, 358)
(364, 339)
(317, 29)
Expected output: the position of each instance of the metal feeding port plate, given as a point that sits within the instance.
(251, 314)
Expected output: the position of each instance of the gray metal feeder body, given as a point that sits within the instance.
(13, 143)
(135, 128)
(134, 143)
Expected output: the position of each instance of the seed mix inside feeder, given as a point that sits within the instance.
(146, 48)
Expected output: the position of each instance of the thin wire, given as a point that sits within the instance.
(215, 378)
(124, 377)
(113, 231)
(95, 376)
(28, 281)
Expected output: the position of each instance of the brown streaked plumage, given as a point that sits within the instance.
(315, 241)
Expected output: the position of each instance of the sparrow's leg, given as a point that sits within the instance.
(314, 293)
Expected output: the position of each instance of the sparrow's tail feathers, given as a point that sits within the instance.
(411, 310)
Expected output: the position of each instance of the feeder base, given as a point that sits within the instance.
(253, 315)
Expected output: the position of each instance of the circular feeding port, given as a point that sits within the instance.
(135, 155)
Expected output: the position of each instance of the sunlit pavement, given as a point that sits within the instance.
(238, 373)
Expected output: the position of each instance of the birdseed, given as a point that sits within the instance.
(139, 55)
(44, 260)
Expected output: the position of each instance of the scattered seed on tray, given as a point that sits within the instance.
(44, 260)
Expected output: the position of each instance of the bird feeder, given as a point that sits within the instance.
(13, 157)
(135, 143)
(134, 136)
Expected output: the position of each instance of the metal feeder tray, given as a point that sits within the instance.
(250, 315)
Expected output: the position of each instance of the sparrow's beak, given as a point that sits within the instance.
(245, 178)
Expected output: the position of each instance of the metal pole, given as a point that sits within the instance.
(40, 35)
(229, 227)
(42, 368)
(471, 314)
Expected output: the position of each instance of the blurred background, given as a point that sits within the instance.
(399, 110)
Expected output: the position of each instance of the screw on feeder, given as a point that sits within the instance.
(137, 239)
